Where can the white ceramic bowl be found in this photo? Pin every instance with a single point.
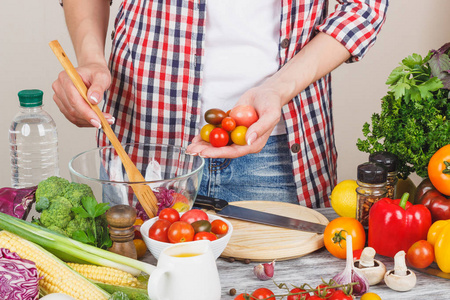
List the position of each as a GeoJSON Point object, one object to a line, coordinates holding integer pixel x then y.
{"type": "Point", "coordinates": [155, 247]}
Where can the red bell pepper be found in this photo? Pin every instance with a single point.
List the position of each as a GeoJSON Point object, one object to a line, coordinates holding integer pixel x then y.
{"type": "Point", "coordinates": [395, 225]}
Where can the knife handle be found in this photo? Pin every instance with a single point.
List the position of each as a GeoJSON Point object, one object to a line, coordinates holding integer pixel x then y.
{"type": "Point", "coordinates": [210, 202]}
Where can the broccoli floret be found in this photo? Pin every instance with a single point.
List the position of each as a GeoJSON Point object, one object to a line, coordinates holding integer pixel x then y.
{"type": "Point", "coordinates": [77, 191]}
{"type": "Point", "coordinates": [42, 204]}
{"type": "Point", "coordinates": [59, 213]}
{"type": "Point", "coordinates": [77, 223]}
{"type": "Point", "coordinates": [50, 188]}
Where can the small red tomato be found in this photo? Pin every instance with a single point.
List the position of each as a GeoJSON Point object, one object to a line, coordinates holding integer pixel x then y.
{"type": "Point", "coordinates": [263, 293]}
{"type": "Point", "coordinates": [205, 236]}
{"type": "Point", "coordinates": [340, 295]}
{"type": "Point", "coordinates": [241, 296]}
{"type": "Point", "coordinates": [315, 297]}
{"type": "Point", "coordinates": [420, 254]}
{"type": "Point", "coordinates": [305, 296]}
{"type": "Point", "coordinates": [158, 231]}
{"type": "Point", "coordinates": [219, 227]}
{"type": "Point", "coordinates": [194, 215]}
{"type": "Point", "coordinates": [228, 124]}
{"type": "Point", "coordinates": [169, 214]}
{"type": "Point", "coordinates": [244, 115]}
{"type": "Point", "coordinates": [321, 291]}
{"type": "Point", "coordinates": [214, 116]}
{"type": "Point", "coordinates": [180, 232]}
{"type": "Point", "coordinates": [218, 137]}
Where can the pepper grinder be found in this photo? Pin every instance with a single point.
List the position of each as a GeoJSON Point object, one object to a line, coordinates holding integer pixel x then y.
{"type": "Point", "coordinates": [121, 219]}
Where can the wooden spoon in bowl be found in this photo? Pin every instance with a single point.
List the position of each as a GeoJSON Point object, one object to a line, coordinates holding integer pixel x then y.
{"type": "Point", "coordinates": [143, 192]}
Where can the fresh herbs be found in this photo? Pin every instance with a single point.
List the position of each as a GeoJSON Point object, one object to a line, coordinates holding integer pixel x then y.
{"type": "Point", "coordinates": [414, 119]}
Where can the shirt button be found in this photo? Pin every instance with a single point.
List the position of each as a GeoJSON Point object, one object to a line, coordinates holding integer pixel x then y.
{"type": "Point", "coordinates": [113, 33]}
{"type": "Point", "coordinates": [295, 148]}
{"type": "Point", "coordinates": [285, 43]}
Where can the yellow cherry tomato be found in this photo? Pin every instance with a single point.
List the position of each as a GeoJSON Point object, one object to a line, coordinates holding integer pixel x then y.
{"type": "Point", "coordinates": [206, 131]}
{"type": "Point", "coordinates": [181, 207]}
{"type": "Point", "coordinates": [370, 296]}
{"type": "Point", "coordinates": [238, 135]}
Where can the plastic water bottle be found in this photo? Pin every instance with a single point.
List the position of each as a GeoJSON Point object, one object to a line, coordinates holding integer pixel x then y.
{"type": "Point", "coordinates": [33, 140]}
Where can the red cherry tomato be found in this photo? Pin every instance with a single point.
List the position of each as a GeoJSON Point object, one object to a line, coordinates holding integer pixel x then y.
{"type": "Point", "coordinates": [194, 215]}
{"type": "Point", "coordinates": [228, 124]}
{"type": "Point", "coordinates": [214, 116]}
{"type": "Point", "coordinates": [219, 227]}
{"type": "Point", "coordinates": [299, 296]}
{"type": "Point", "coordinates": [321, 291]}
{"type": "Point", "coordinates": [218, 137]}
{"type": "Point", "coordinates": [158, 231]}
{"type": "Point", "coordinates": [206, 131]}
{"type": "Point", "coordinates": [169, 214]}
{"type": "Point", "coordinates": [241, 296]}
{"type": "Point", "coordinates": [420, 254]}
{"type": "Point", "coordinates": [180, 232]}
{"type": "Point", "coordinates": [263, 293]}
{"type": "Point", "coordinates": [238, 135]}
{"type": "Point", "coordinates": [340, 295]}
{"type": "Point", "coordinates": [244, 115]}
{"type": "Point", "coordinates": [203, 235]}
{"type": "Point", "coordinates": [315, 297]}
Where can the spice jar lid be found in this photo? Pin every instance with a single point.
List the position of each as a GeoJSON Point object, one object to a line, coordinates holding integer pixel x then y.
{"type": "Point", "coordinates": [386, 158]}
{"type": "Point", "coordinates": [372, 172]}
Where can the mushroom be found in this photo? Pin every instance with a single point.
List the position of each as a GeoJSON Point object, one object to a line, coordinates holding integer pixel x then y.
{"type": "Point", "coordinates": [400, 279]}
{"type": "Point", "coordinates": [373, 269]}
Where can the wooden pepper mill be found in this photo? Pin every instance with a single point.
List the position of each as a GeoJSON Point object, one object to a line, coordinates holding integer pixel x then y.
{"type": "Point", "coordinates": [121, 219]}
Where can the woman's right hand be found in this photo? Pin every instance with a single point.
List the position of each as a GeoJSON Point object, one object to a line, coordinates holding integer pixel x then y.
{"type": "Point", "coordinates": [97, 78]}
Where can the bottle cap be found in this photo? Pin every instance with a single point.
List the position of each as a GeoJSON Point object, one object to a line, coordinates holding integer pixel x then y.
{"type": "Point", "coordinates": [386, 158]}
{"type": "Point", "coordinates": [30, 98]}
{"type": "Point", "coordinates": [371, 172]}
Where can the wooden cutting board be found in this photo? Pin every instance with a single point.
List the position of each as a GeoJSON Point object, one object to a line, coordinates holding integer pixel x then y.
{"type": "Point", "coordinates": [259, 242]}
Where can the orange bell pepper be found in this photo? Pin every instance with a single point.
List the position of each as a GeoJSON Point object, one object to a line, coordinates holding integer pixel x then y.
{"type": "Point", "coordinates": [439, 237]}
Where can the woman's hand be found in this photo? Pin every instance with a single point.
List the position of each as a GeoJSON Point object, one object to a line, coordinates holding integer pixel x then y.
{"type": "Point", "coordinates": [97, 78]}
{"type": "Point", "coordinates": [267, 103]}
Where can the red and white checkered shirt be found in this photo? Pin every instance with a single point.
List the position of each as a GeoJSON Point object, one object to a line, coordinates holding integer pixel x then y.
{"type": "Point", "coordinates": [156, 67]}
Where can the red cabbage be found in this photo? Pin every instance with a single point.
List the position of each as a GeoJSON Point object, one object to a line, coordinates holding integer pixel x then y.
{"type": "Point", "coordinates": [16, 202]}
{"type": "Point", "coordinates": [18, 277]}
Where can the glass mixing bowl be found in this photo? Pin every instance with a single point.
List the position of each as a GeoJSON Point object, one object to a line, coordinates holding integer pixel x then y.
{"type": "Point", "coordinates": [173, 175]}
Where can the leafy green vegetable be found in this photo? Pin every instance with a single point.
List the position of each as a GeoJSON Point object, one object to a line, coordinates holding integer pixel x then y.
{"type": "Point", "coordinates": [413, 123]}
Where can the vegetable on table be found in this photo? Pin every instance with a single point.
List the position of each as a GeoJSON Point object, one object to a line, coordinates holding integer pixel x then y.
{"type": "Point", "coordinates": [438, 204]}
{"type": "Point", "coordinates": [395, 225]}
{"type": "Point", "coordinates": [439, 237]}
{"type": "Point", "coordinates": [420, 254]}
{"type": "Point", "coordinates": [400, 279]}
{"type": "Point", "coordinates": [16, 202]}
{"type": "Point", "coordinates": [336, 233]}
{"type": "Point", "coordinates": [439, 170]}
{"type": "Point", "coordinates": [372, 268]}
{"type": "Point", "coordinates": [19, 277]}
{"type": "Point", "coordinates": [413, 123]}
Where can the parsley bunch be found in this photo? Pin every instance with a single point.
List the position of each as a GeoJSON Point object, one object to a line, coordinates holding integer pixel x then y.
{"type": "Point", "coordinates": [414, 119]}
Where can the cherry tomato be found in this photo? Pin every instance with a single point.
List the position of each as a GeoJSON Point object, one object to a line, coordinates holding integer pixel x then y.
{"type": "Point", "coordinates": [228, 123]}
{"type": "Point", "coordinates": [299, 296]}
{"type": "Point", "coordinates": [177, 197]}
{"type": "Point", "coordinates": [214, 116]}
{"type": "Point", "coordinates": [158, 231]}
{"type": "Point", "coordinates": [322, 292]}
{"type": "Point", "coordinates": [238, 135]}
{"type": "Point", "coordinates": [244, 115]}
{"type": "Point", "coordinates": [370, 296]}
{"type": "Point", "coordinates": [219, 137]}
{"type": "Point", "coordinates": [140, 246]}
{"type": "Point", "coordinates": [420, 254]}
{"type": "Point", "coordinates": [180, 232]}
{"type": "Point", "coordinates": [169, 214]}
{"type": "Point", "coordinates": [205, 236]}
{"type": "Point", "coordinates": [137, 228]}
{"type": "Point", "coordinates": [315, 297]}
{"type": "Point", "coordinates": [340, 295]}
{"type": "Point", "coordinates": [439, 170]}
{"type": "Point", "coordinates": [206, 131]}
{"type": "Point", "coordinates": [219, 227]}
{"type": "Point", "coordinates": [337, 230]}
{"type": "Point", "coordinates": [263, 293]}
{"type": "Point", "coordinates": [194, 215]}
{"type": "Point", "coordinates": [201, 226]}
{"type": "Point", "coordinates": [241, 296]}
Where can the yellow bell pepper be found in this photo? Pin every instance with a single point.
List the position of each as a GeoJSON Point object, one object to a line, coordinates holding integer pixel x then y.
{"type": "Point", "coordinates": [439, 237]}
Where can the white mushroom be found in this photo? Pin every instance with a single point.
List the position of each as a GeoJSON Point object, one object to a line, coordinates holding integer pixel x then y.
{"type": "Point", "coordinates": [401, 278]}
{"type": "Point", "coordinates": [373, 269]}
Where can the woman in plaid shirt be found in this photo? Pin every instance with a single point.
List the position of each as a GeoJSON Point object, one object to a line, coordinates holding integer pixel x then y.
{"type": "Point", "coordinates": [172, 60]}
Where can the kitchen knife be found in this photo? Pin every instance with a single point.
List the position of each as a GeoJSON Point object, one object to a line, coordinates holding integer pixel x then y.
{"type": "Point", "coordinates": [224, 209]}
{"type": "Point", "coordinates": [433, 269]}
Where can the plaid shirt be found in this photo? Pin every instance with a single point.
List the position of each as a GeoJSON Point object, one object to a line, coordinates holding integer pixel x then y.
{"type": "Point", "coordinates": [156, 67]}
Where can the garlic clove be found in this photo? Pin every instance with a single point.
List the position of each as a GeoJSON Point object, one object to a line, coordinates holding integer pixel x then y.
{"type": "Point", "coordinates": [264, 271]}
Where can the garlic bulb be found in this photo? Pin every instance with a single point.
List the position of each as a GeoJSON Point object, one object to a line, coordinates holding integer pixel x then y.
{"type": "Point", "coordinates": [264, 271]}
{"type": "Point", "coordinates": [351, 274]}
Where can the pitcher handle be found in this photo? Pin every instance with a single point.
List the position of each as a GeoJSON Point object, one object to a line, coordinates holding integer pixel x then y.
{"type": "Point", "coordinates": [153, 282]}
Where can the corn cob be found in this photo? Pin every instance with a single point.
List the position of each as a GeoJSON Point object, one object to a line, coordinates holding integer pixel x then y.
{"type": "Point", "coordinates": [57, 277]}
{"type": "Point", "coordinates": [106, 275]}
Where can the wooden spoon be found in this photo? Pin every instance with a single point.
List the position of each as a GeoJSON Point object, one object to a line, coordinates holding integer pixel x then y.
{"type": "Point", "coordinates": [143, 192]}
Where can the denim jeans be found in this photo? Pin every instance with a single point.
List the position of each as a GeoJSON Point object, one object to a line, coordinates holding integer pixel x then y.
{"type": "Point", "coordinates": [266, 175]}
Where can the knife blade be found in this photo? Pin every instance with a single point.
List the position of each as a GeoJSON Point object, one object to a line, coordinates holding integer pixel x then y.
{"type": "Point", "coordinates": [433, 269]}
{"type": "Point", "coordinates": [222, 208]}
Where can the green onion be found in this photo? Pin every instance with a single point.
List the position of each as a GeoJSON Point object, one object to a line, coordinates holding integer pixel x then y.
{"type": "Point", "coordinates": [57, 244]}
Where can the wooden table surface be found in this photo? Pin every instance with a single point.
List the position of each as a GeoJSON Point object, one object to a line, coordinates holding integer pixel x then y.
{"type": "Point", "coordinates": [314, 266]}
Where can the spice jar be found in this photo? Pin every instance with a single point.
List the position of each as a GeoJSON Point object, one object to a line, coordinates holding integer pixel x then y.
{"type": "Point", "coordinates": [371, 180]}
{"type": "Point", "coordinates": [389, 160]}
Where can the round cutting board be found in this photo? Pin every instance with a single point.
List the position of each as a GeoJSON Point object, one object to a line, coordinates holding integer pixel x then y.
{"type": "Point", "coordinates": [259, 242]}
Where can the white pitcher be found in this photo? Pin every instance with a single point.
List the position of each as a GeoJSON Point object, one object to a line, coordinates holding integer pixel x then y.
{"type": "Point", "coordinates": [185, 271]}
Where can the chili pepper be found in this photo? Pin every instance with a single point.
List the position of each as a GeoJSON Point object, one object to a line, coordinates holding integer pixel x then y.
{"type": "Point", "coordinates": [438, 205]}
{"type": "Point", "coordinates": [395, 225]}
